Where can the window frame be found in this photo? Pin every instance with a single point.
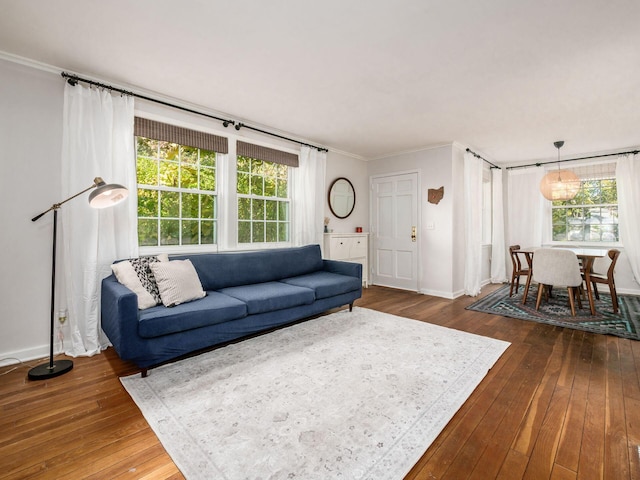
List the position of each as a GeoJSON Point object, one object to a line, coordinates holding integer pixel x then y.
{"type": "Point", "coordinates": [251, 196]}
{"type": "Point", "coordinates": [180, 248]}
{"type": "Point", "coordinates": [584, 243]}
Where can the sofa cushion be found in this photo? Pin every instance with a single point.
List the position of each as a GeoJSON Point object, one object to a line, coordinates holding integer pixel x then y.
{"type": "Point", "coordinates": [221, 270]}
{"type": "Point", "coordinates": [270, 296]}
{"type": "Point", "coordinates": [136, 275]}
{"type": "Point", "coordinates": [178, 282]}
{"type": "Point", "coordinates": [325, 284]}
{"type": "Point", "coordinates": [210, 310]}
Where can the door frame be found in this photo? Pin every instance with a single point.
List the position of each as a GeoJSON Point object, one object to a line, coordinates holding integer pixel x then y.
{"type": "Point", "coordinates": [373, 260]}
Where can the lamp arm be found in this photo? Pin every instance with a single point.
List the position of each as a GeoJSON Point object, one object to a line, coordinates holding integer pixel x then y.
{"type": "Point", "coordinates": [55, 206]}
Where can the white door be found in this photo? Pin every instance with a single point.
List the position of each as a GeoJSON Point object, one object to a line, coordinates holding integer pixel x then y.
{"type": "Point", "coordinates": [394, 228]}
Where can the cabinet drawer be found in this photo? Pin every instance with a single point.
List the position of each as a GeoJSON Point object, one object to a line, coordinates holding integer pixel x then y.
{"type": "Point", "coordinates": [358, 247]}
{"type": "Point", "coordinates": [340, 248]}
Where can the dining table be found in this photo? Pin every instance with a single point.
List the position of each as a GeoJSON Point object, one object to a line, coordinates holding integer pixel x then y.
{"type": "Point", "coordinates": [586, 255]}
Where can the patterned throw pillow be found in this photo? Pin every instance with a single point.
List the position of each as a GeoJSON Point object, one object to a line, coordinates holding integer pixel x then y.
{"type": "Point", "coordinates": [136, 275]}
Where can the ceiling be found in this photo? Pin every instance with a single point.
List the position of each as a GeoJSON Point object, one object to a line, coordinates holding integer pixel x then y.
{"type": "Point", "coordinates": [371, 78]}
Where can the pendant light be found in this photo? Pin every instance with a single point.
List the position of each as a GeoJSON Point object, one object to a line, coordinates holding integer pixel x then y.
{"type": "Point", "coordinates": [559, 184]}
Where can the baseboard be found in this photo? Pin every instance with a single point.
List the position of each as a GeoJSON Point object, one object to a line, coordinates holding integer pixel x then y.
{"type": "Point", "coordinates": [27, 355]}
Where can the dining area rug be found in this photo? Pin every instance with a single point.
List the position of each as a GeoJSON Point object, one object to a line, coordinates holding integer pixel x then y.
{"type": "Point", "coordinates": [350, 396]}
{"type": "Point", "coordinates": [625, 323]}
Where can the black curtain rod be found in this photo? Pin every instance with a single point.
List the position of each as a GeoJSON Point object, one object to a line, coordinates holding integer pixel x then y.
{"type": "Point", "coordinates": [481, 158]}
{"type": "Point", "coordinates": [74, 79]}
{"type": "Point", "coordinates": [538, 164]}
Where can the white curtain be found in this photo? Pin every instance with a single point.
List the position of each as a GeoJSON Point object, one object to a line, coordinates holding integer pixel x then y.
{"type": "Point", "coordinates": [525, 207]}
{"type": "Point", "coordinates": [628, 182]}
{"type": "Point", "coordinates": [309, 197]}
{"type": "Point", "coordinates": [97, 141]}
{"type": "Point", "coordinates": [472, 224]}
{"type": "Point", "coordinates": [498, 249]}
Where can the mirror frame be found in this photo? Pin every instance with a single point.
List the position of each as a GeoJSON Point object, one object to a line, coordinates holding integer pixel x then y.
{"type": "Point", "coordinates": [354, 197]}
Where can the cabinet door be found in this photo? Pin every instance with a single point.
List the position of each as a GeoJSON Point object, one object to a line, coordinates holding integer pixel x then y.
{"type": "Point", "coordinates": [340, 247]}
{"type": "Point", "coordinates": [358, 247]}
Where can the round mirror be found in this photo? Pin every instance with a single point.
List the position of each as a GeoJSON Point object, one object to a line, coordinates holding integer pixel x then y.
{"type": "Point", "coordinates": [342, 197]}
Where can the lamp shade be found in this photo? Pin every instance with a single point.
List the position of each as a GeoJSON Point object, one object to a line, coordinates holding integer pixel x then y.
{"type": "Point", "coordinates": [560, 185]}
{"type": "Point", "coordinates": [106, 195]}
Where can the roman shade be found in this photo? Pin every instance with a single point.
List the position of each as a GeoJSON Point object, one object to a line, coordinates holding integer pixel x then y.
{"type": "Point", "coordinates": [268, 154]}
{"type": "Point", "coordinates": [183, 136]}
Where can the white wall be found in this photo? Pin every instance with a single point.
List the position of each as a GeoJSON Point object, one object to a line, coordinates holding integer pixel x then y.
{"type": "Point", "coordinates": [31, 102]}
{"type": "Point", "coordinates": [30, 141]}
{"type": "Point", "coordinates": [339, 165]}
{"type": "Point", "coordinates": [438, 270]}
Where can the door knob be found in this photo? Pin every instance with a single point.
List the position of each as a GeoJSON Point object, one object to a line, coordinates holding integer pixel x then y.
{"type": "Point", "coordinates": [413, 234]}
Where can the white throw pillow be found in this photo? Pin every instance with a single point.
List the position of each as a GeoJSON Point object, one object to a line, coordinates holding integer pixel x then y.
{"type": "Point", "coordinates": [178, 282]}
{"type": "Point", "coordinates": [136, 275]}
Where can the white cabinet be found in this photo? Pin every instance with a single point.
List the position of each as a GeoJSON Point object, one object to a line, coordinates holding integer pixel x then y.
{"type": "Point", "coordinates": [349, 247]}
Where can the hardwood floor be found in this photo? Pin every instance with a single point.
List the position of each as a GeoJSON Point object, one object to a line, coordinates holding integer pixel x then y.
{"type": "Point", "coordinates": [559, 404]}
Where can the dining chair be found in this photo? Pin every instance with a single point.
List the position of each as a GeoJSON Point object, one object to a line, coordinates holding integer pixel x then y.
{"type": "Point", "coordinates": [518, 269]}
{"type": "Point", "coordinates": [606, 278]}
{"type": "Point", "coordinates": [556, 267]}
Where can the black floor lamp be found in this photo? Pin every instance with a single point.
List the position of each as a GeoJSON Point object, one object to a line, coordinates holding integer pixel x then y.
{"type": "Point", "coordinates": [104, 195]}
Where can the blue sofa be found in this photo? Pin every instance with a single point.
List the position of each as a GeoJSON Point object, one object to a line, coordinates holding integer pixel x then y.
{"type": "Point", "coordinates": [247, 293]}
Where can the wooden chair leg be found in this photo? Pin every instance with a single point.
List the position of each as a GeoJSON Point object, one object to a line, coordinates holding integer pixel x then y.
{"type": "Point", "coordinates": [572, 301]}
{"type": "Point", "coordinates": [614, 297]}
{"type": "Point", "coordinates": [579, 296]}
{"type": "Point", "coordinates": [511, 287]}
{"type": "Point", "coordinates": [595, 290]}
{"type": "Point", "coordinates": [539, 297]}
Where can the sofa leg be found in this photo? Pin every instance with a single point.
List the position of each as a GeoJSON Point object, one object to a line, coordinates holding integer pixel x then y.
{"type": "Point", "coordinates": [144, 372]}
{"type": "Point", "coordinates": [351, 307]}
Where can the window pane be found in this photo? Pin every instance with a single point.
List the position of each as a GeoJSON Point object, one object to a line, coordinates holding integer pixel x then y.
{"type": "Point", "coordinates": [207, 229]}
{"type": "Point", "coordinates": [190, 232]}
{"type": "Point", "coordinates": [244, 208]}
{"type": "Point", "coordinates": [559, 233]}
{"type": "Point", "coordinates": [283, 232]}
{"type": "Point", "coordinates": [271, 210]}
{"type": "Point", "coordinates": [282, 188]}
{"type": "Point", "coordinates": [244, 232]}
{"type": "Point", "coordinates": [270, 187]}
{"type": "Point", "coordinates": [188, 177]}
{"type": "Point", "coordinates": [207, 158]}
{"type": "Point", "coordinates": [169, 204]}
{"type": "Point", "coordinates": [147, 171]}
{"type": "Point", "coordinates": [257, 185]}
{"type": "Point", "coordinates": [169, 151]}
{"type": "Point", "coordinates": [168, 174]}
{"type": "Point", "coordinates": [243, 183]}
{"type": "Point", "coordinates": [257, 209]}
{"type": "Point", "coordinates": [147, 147]}
{"type": "Point", "coordinates": [258, 232]}
{"type": "Point", "coordinates": [207, 206]}
{"type": "Point", "coordinates": [256, 166]}
{"type": "Point", "coordinates": [190, 208]}
{"type": "Point", "coordinates": [283, 211]}
{"type": "Point", "coordinates": [272, 232]}
{"type": "Point", "coordinates": [243, 164]}
{"type": "Point", "coordinates": [189, 155]}
{"type": "Point", "coordinates": [208, 179]}
{"type": "Point", "coordinates": [147, 232]}
{"type": "Point", "coordinates": [147, 203]}
{"type": "Point", "coordinates": [169, 232]}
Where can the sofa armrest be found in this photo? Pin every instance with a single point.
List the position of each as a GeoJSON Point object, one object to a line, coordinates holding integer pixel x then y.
{"type": "Point", "coordinates": [119, 320]}
{"type": "Point", "coordinates": [344, 268]}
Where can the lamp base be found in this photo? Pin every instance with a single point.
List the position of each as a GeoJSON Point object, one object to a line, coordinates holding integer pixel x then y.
{"type": "Point", "coordinates": [42, 372]}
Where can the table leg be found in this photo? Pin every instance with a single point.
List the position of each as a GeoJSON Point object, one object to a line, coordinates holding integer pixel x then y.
{"type": "Point", "coordinates": [587, 265]}
{"type": "Point", "coordinates": [529, 258]}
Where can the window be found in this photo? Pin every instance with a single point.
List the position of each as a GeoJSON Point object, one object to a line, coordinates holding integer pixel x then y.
{"type": "Point", "coordinates": [263, 201]}
{"type": "Point", "coordinates": [592, 216]}
{"type": "Point", "coordinates": [177, 203]}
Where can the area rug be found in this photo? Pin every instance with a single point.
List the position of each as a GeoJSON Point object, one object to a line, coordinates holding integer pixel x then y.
{"type": "Point", "coordinates": [626, 323]}
{"type": "Point", "coordinates": [357, 395]}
